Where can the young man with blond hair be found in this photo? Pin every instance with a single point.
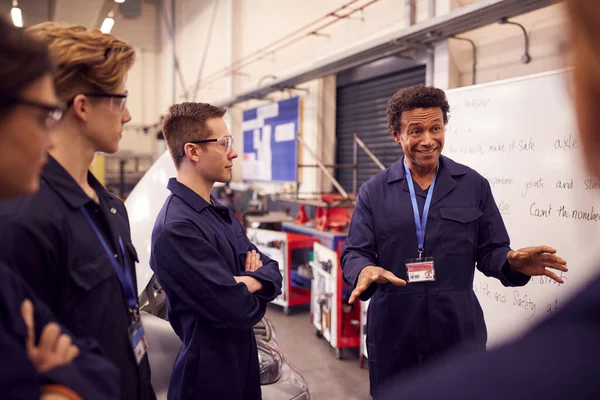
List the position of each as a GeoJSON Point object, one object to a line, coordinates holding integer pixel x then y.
{"type": "Point", "coordinates": [217, 283]}
{"type": "Point", "coordinates": [71, 241]}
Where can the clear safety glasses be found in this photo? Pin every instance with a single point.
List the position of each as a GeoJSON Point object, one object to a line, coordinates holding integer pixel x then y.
{"type": "Point", "coordinates": [52, 113]}
{"type": "Point", "coordinates": [116, 99]}
{"type": "Point", "coordinates": [226, 142]}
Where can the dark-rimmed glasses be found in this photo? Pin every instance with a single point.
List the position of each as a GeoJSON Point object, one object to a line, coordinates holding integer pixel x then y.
{"type": "Point", "coordinates": [226, 142]}
{"type": "Point", "coordinates": [54, 113]}
{"type": "Point", "coordinates": [122, 97]}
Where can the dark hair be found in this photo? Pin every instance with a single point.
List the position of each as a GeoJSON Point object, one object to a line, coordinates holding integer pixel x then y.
{"type": "Point", "coordinates": [24, 60]}
{"type": "Point", "coordinates": [186, 122]}
{"type": "Point", "coordinates": [419, 96]}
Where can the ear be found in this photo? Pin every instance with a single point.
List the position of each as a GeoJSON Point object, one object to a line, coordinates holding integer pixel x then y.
{"type": "Point", "coordinates": [396, 136]}
{"type": "Point", "coordinates": [81, 107]}
{"type": "Point", "coordinates": [192, 152]}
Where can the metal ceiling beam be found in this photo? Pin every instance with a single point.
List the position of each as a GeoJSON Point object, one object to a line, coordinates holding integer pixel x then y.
{"type": "Point", "coordinates": [458, 21]}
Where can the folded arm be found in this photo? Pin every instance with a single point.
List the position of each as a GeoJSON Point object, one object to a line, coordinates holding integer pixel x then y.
{"type": "Point", "coordinates": [188, 265]}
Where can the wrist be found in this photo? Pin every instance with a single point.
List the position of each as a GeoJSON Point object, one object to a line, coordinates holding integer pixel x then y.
{"type": "Point", "coordinates": [508, 264]}
{"type": "Point", "coordinates": [251, 283]}
{"type": "Point", "coordinates": [366, 269]}
{"type": "Point", "coordinates": [255, 285]}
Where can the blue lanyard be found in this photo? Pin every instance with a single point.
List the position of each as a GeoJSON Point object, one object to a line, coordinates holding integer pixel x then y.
{"type": "Point", "coordinates": [421, 224]}
{"type": "Point", "coordinates": [124, 275]}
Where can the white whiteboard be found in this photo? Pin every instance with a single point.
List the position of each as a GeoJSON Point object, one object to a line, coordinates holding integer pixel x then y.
{"type": "Point", "coordinates": [521, 135]}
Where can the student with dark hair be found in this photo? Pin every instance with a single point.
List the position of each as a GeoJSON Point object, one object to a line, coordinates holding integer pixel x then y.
{"type": "Point", "coordinates": [419, 230]}
{"type": "Point", "coordinates": [71, 240]}
{"type": "Point", "coordinates": [217, 283]}
{"type": "Point", "coordinates": [38, 358]}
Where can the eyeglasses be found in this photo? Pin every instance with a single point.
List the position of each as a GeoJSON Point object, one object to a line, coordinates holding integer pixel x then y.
{"type": "Point", "coordinates": [53, 113]}
{"type": "Point", "coordinates": [226, 142]}
{"type": "Point", "coordinates": [120, 98]}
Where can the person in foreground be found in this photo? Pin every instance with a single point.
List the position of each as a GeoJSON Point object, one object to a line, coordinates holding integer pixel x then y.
{"type": "Point", "coordinates": [71, 240]}
{"type": "Point", "coordinates": [217, 283]}
{"type": "Point", "coordinates": [418, 231]}
{"type": "Point", "coordinates": [38, 358]}
{"type": "Point", "coordinates": [560, 357]}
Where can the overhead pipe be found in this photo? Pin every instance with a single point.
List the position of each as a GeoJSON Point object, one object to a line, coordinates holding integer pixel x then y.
{"type": "Point", "coordinates": [283, 42]}
{"type": "Point", "coordinates": [229, 46]}
{"type": "Point", "coordinates": [176, 65]}
{"type": "Point", "coordinates": [175, 61]}
{"type": "Point", "coordinates": [526, 57]}
{"type": "Point", "coordinates": [474, 48]}
{"type": "Point", "coordinates": [430, 71]}
{"type": "Point", "coordinates": [410, 13]}
{"type": "Point", "coordinates": [207, 36]}
{"type": "Point", "coordinates": [295, 32]}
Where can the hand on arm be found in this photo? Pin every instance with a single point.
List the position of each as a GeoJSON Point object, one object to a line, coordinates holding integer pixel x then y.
{"type": "Point", "coordinates": [55, 349]}
{"type": "Point", "coordinates": [373, 274]}
{"type": "Point", "coordinates": [253, 262]}
{"type": "Point", "coordinates": [205, 285]}
{"type": "Point", "coordinates": [253, 284]}
{"type": "Point", "coordinates": [534, 261]}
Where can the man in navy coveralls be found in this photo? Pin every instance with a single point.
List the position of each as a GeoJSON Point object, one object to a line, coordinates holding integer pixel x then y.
{"type": "Point", "coordinates": [217, 283]}
{"type": "Point", "coordinates": [560, 357]}
{"type": "Point", "coordinates": [418, 231]}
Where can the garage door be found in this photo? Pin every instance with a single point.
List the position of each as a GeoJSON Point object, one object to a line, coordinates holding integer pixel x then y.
{"type": "Point", "coordinates": [361, 110]}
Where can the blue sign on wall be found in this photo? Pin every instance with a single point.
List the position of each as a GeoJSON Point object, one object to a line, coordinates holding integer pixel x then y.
{"type": "Point", "coordinates": [270, 150]}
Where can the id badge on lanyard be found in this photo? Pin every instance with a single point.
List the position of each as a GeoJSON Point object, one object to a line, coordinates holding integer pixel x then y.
{"type": "Point", "coordinates": [137, 339]}
{"type": "Point", "coordinates": [137, 336]}
{"type": "Point", "coordinates": [420, 269]}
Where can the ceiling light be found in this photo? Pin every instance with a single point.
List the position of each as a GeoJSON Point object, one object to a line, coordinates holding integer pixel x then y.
{"type": "Point", "coordinates": [16, 14]}
{"type": "Point", "coordinates": [108, 23]}
{"type": "Point", "coordinates": [120, 1]}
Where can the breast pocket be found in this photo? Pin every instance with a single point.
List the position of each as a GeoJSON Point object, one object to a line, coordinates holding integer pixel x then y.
{"type": "Point", "coordinates": [90, 302]}
{"type": "Point", "coordinates": [459, 229]}
{"type": "Point", "coordinates": [91, 274]}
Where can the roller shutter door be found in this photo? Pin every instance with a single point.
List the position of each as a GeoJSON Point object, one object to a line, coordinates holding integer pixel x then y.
{"type": "Point", "coordinates": [361, 110]}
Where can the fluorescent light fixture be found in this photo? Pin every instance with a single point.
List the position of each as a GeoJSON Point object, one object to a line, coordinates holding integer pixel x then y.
{"type": "Point", "coordinates": [16, 14]}
{"type": "Point", "coordinates": [120, 1]}
{"type": "Point", "coordinates": [108, 23]}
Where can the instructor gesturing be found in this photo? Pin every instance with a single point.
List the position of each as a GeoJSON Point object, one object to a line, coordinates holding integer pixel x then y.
{"type": "Point", "coordinates": [418, 231]}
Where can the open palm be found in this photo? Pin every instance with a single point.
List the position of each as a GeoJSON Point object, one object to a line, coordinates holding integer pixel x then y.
{"type": "Point", "coordinates": [538, 260]}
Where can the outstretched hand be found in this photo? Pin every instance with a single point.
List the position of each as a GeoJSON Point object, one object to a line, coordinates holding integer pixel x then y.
{"type": "Point", "coordinates": [535, 261]}
{"type": "Point", "coordinates": [373, 274]}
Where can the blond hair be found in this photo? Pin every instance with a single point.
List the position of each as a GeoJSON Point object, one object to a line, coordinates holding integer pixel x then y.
{"type": "Point", "coordinates": [86, 59]}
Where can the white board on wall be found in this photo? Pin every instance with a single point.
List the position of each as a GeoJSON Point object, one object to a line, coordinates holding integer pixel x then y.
{"type": "Point", "coordinates": [521, 135]}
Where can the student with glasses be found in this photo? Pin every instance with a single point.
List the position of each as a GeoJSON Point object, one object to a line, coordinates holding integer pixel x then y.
{"type": "Point", "coordinates": [38, 358]}
{"type": "Point", "coordinates": [217, 283]}
{"type": "Point", "coordinates": [71, 241]}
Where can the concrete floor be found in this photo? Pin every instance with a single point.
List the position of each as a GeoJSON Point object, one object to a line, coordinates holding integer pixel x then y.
{"type": "Point", "coordinates": [328, 378]}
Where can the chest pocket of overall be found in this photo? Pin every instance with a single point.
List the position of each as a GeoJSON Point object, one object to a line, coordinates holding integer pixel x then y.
{"type": "Point", "coordinates": [93, 281]}
{"type": "Point", "coordinates": [459, 229]}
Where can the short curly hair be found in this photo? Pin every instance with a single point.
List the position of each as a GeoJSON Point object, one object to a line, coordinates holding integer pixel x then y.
{"type": "Point", "coordinates": [419, 96]}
